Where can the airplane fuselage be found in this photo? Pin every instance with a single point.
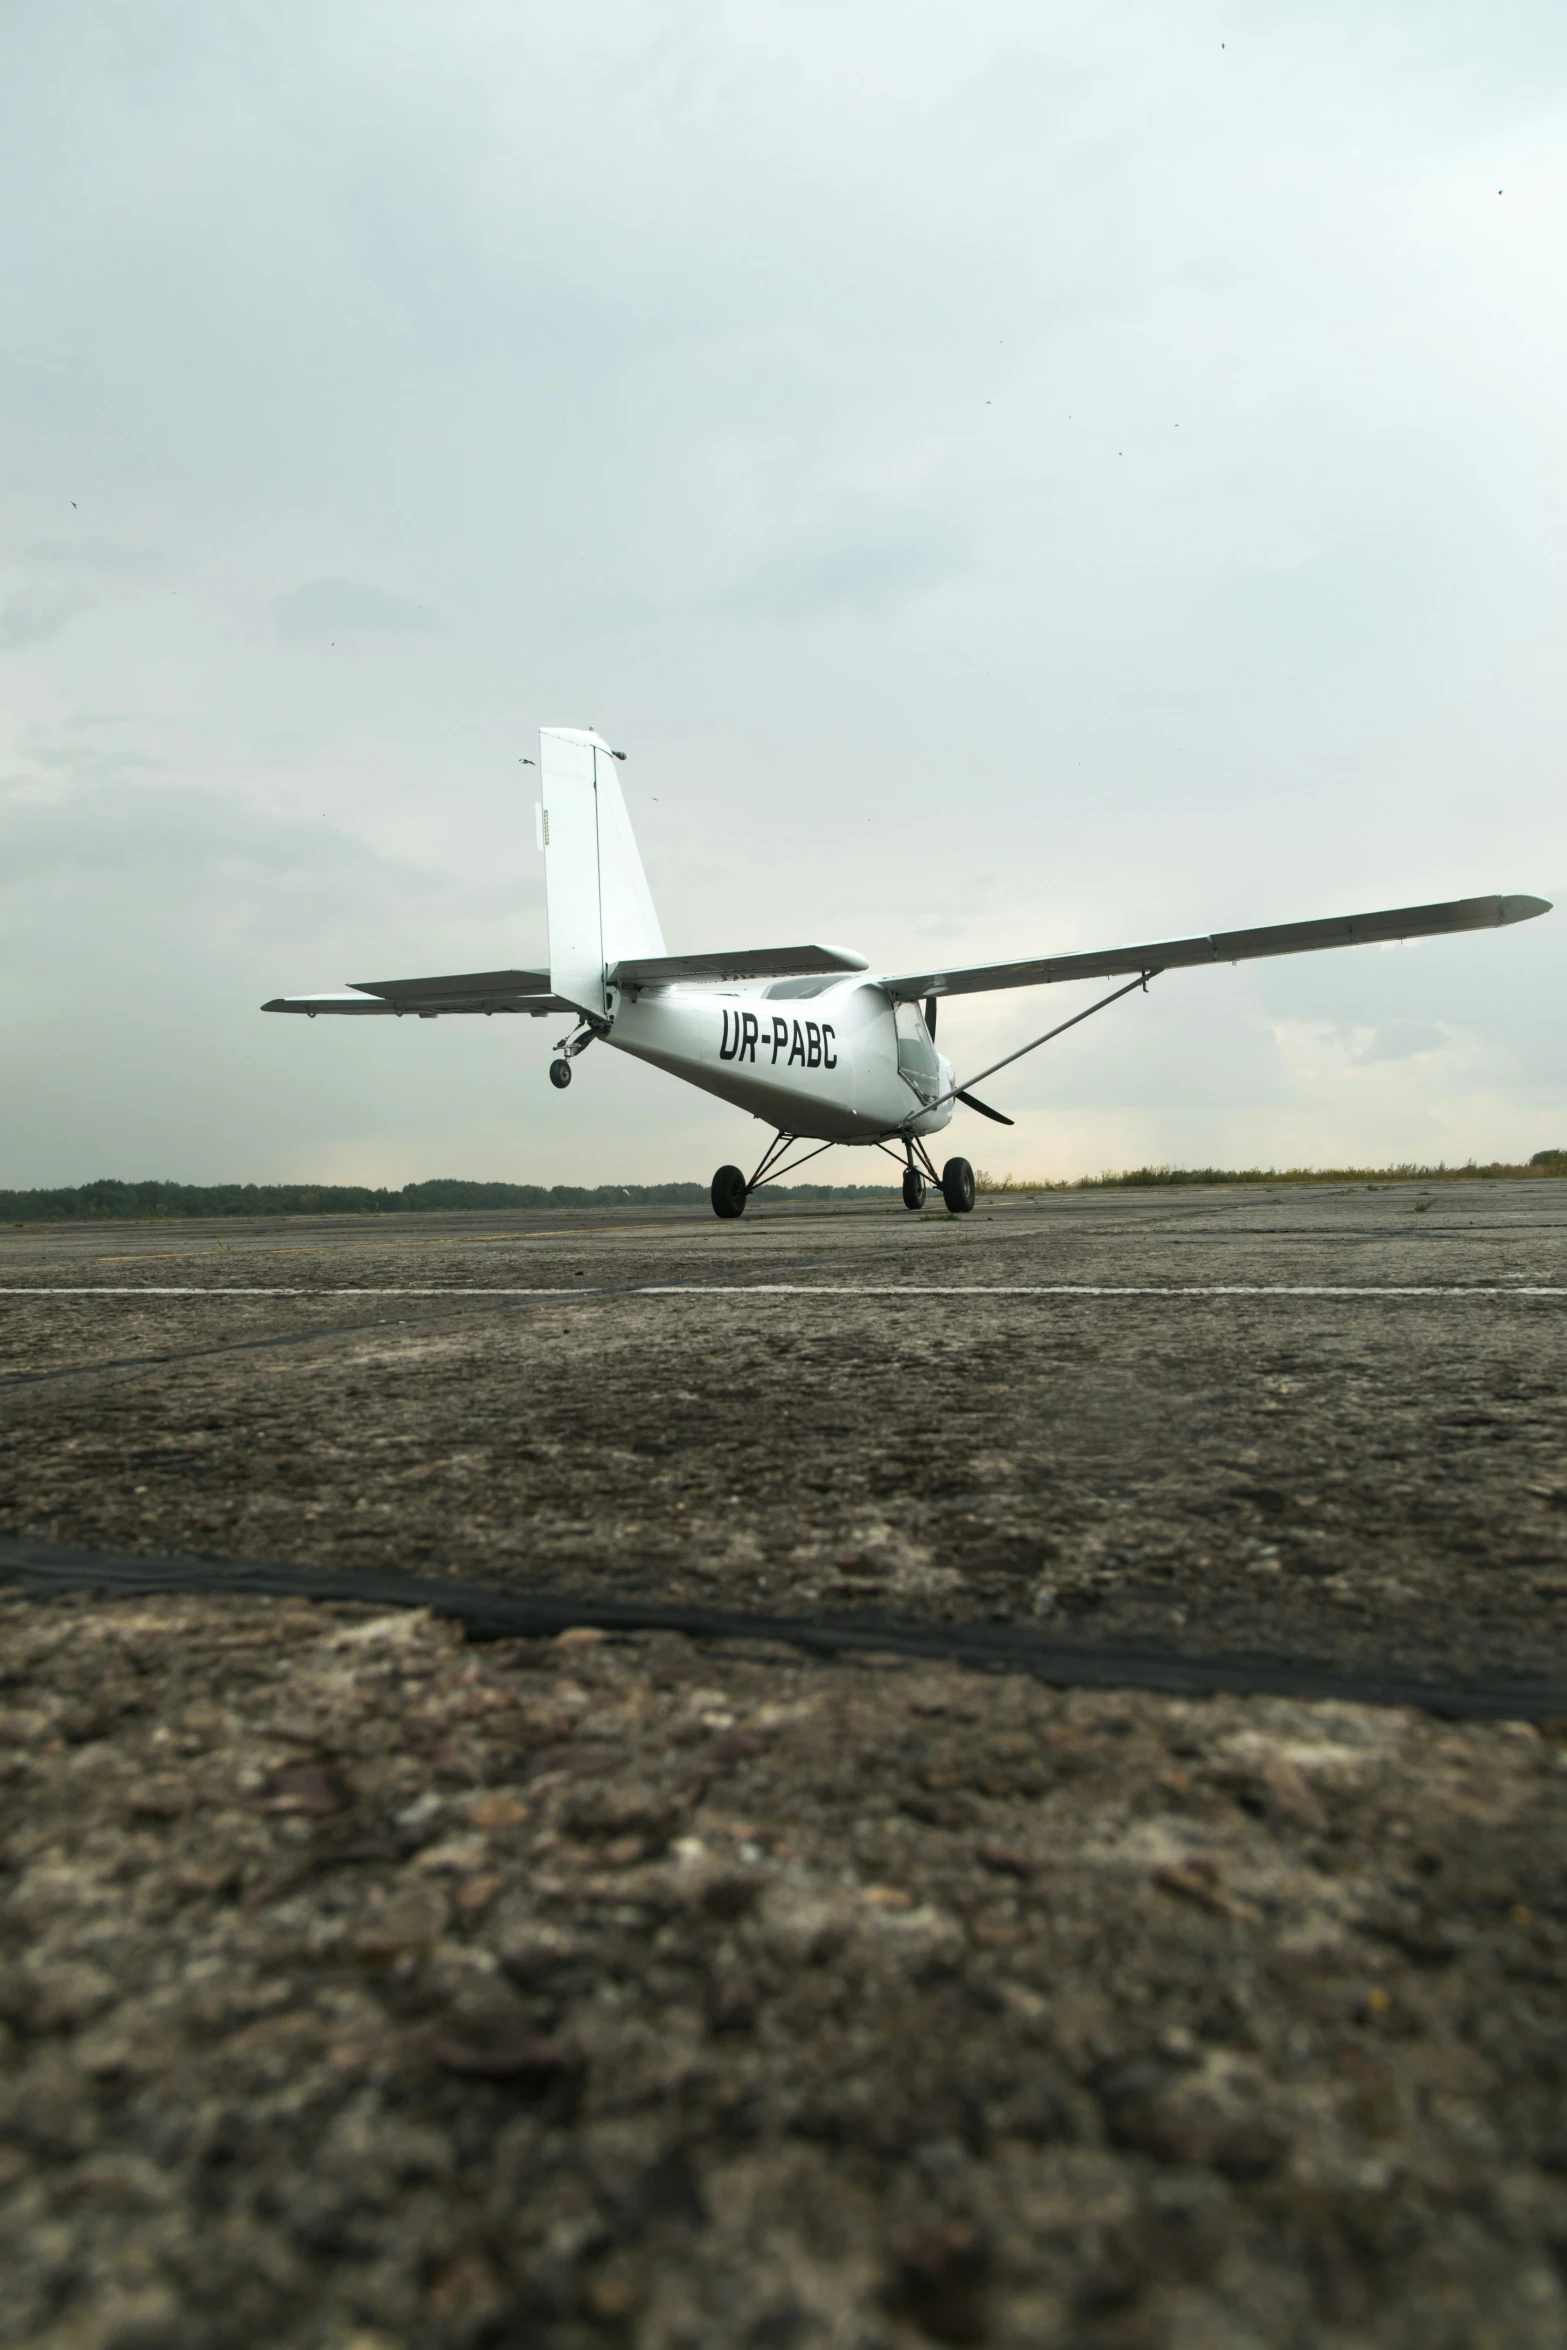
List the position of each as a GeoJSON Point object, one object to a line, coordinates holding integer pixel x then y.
{"type": "Point", "coordinates": [821, 1059]}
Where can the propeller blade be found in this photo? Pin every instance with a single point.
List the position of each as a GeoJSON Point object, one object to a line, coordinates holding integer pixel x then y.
{"type": "Point", "coordinates": [931, 1002]}
{"type": "Point", "coordinates": [983, 1108]}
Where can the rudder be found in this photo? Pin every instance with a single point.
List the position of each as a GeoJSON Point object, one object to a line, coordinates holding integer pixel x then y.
{"type": "Point", "coordinates": [600, 907]}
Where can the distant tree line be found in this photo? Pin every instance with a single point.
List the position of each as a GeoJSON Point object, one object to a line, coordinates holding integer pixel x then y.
{"type": "Point", "coordinates": [109, 1200]}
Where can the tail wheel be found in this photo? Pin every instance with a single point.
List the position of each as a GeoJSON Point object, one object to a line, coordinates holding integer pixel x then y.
{"type": "Point", "coordinates": [560, 1074]}
{"type": "Point", "coordinates": [957, 1186]}
{"type": "Point", "coordinates": [913, 1188]}
{"type": "Point", "coordinates": [729, 1192]}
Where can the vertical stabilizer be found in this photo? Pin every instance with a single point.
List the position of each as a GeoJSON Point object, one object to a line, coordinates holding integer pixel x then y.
{"type": "Point", "coordinates": [600, 907]}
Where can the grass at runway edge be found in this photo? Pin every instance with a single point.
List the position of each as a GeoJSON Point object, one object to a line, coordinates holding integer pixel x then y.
{"type": "Point", "coordinates": [1543, 1164]}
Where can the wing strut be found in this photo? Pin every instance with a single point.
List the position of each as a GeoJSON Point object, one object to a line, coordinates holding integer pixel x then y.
{"type": "Point", "coordinates": [958, 1093]}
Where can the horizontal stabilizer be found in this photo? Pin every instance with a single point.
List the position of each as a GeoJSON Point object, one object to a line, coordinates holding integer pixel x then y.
{"type": "Point", "coordinates": [1228, 946]}
{"type": "Point", "coordinates": [467, 985]}
{"type": "Point", "coordinates": [467, 991]}
{"type": "Point", "coordinates": [743, 963]}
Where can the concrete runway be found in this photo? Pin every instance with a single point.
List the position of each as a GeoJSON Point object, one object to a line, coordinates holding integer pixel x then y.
{"type": "Point", "coordinates": [1321, 1423]}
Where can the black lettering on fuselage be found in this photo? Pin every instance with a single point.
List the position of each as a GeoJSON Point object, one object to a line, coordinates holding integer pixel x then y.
{"type": "Point", "coordinates": [811, 1047]}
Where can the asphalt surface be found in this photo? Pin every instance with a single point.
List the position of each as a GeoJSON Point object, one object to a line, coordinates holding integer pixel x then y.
{"type": "Point", "coordinates": [611, 1989]}
{"type": "Point", "coordinates": [1322, 1424]}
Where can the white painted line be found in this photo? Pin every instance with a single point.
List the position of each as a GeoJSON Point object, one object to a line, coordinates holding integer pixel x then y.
{"type": "Point", "coordinates": [1079, 1289]}
{"type": "Point", "coordinates": [838, 1289]}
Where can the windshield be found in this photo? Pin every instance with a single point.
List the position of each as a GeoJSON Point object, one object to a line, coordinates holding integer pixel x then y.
{"type": "Point", "coordinates": [916, 1054]}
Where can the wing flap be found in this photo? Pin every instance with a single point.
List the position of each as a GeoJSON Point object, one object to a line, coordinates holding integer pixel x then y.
{"type": "Point", "coordinates": [1229, 946]}
{"type": "Point", "coordinates": [742, 963]}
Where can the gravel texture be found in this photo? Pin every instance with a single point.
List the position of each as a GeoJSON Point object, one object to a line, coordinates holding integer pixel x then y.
{"type": "Point", "coordinates": [360, 1989]}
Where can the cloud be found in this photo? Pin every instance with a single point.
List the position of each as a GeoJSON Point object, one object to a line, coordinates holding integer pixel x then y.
{"type": "Point", "coordinates": [154, 843]}
{"type": "Point", "coordinates": [1401, 1040]}
{"type": "Point", "coordinates": [33, 615]}
{"type": "Point", "coordinates": [321, 607]}
{"type": "Point", "coordinates": [83, 759]}
{"type": "Point", "coordinates": [868, 565]}
{"type": "Point", "coordinates": [141, 929]}
{"type": "Point", "coordinates": [84, 555]}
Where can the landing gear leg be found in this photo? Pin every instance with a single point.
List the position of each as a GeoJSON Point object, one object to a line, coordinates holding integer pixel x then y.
{"type": "Point", "coordinates": [569, 1047]}
{"type": "Point", "coordinates": [919, 1176]}
{"type": "Point", "coordinates": [731, 1189]}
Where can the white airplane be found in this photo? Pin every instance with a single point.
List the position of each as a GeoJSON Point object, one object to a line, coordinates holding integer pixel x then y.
{"type": "Point", "coordinates": [807, 1038]}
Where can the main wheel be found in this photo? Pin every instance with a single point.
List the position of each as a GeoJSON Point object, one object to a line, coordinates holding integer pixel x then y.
{"type": "Point", "coordinates": [728, 1193]}
{"type": "Point", "coordinates": [957, 1186]}
{"type": "Point", "coordinates": [913, 1188]}
{"type": "Point", "coordinates": [560, 1074]}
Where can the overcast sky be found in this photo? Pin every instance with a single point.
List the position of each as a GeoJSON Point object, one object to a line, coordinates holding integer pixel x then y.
{"type": "Point", "coordinates": [1014, 478]}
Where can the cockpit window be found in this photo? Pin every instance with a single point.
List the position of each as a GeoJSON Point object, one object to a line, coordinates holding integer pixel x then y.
{"type": "Point", "coordinates": [916, 1054]}
{"type": "Point", "coordinates": [794, 990]}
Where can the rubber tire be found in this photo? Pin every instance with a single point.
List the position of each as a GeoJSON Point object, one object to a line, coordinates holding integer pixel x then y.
{"type": "Point", "coordinates": [560, 1074]}
{"type": "Point", "coordinates": [957, 1186]}
{"type": "Point", "coordinates": [728, 1193]}
{"type": "Point", "coordinates": [913, 1188]}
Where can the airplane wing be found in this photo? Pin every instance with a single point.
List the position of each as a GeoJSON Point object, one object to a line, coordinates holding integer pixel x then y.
{"type": "Point", "coordinates": [467, 991]}
{"type": "Point", "coordinates": [743, 963]}
{"type": "Point", "coordinates": [1227, 946]}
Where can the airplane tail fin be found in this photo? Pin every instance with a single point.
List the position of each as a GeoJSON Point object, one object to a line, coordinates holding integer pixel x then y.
{"type": "Point", "coordinates": [600, 906]}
